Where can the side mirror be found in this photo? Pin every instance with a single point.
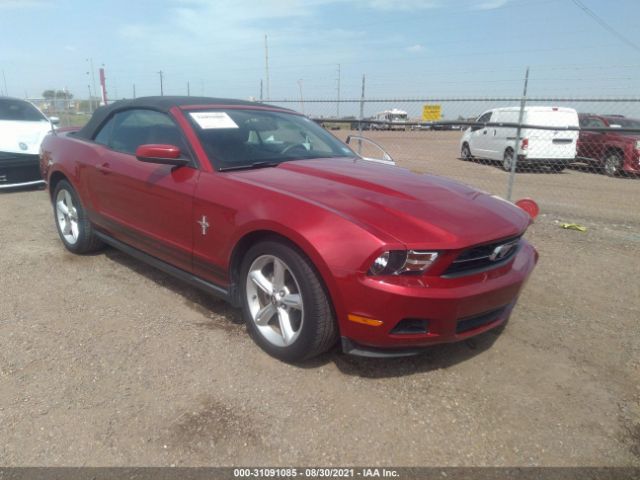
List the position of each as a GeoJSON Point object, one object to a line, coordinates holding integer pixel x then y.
{"type": "Point", "coordinates": [161, 154]}
{"type": "Point", "coordinates": [54, 120]}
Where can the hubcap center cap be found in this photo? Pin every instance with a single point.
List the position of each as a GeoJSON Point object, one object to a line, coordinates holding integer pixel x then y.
{"type": "Point", "coordinates": [276, 299]}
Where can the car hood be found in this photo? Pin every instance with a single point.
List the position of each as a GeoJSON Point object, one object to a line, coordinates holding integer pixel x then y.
{"type": "Point", "coordinates": [22, 137]}
{"type": "Point", "coordinates": [417, 210]}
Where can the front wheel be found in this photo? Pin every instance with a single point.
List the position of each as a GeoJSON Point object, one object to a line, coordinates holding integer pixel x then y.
{"type": "Point", "coordinates": [465, 152]}
{"type": "Point", "coordinates": [74, 227]}
{"type": "Point", "coordinates": [613, 164]}
{"type": "Point", "coordinates": [285, 306]}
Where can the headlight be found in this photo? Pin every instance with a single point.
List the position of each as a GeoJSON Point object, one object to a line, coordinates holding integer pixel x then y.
{"type": "Point", "coordinates": [397, 262]}
{"type": "Point", "coordinates": [637, 144]}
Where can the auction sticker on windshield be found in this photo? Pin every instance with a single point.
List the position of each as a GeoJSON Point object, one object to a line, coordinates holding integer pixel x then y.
{"type": "Point", "coordinates": [211, 120]}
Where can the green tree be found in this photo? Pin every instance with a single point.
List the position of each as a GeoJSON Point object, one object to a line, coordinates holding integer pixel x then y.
{"type": "Point", "coordinates": [62, 94]}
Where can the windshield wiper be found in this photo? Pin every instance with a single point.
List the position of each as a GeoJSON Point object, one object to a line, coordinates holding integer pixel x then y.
{"type": "Point", "coordinates": [250, 166]}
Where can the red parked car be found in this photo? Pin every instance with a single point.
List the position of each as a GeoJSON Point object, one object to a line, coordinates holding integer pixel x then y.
{"type": "Point", "coordinates": [261, 206]}
{"type": "Point", "coordinates": [614, 151]}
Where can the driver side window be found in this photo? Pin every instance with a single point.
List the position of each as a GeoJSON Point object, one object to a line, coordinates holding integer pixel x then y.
{"type": "Point", "coordinates": [127, 130]}
{"type": "Point", "coordinates": [484, 118]}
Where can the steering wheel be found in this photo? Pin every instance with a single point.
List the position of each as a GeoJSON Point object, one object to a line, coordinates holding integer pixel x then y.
{"type": "Point", "coordinates": [293, 146]}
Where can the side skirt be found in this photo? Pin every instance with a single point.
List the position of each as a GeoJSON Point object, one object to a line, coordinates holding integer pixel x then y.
{"type": "Point", "coordinates": [170, 269]}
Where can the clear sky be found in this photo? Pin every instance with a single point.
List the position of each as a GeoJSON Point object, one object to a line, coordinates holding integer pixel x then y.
{"type": "Point", "coordinates": [406, 48]}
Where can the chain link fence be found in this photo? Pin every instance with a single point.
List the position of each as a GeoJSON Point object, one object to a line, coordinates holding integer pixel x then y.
{"type": "Point", "coordinates": [579, 158]}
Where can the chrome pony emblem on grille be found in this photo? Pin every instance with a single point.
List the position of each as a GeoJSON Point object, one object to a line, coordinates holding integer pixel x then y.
{"type": "Point", "coordinates": [503, 251]}
{"type": "Point", "coordinates": [23, 146]}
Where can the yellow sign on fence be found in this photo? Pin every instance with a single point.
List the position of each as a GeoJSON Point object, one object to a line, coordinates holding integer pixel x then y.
{"type": "Point", "coordinates": [431, 113]}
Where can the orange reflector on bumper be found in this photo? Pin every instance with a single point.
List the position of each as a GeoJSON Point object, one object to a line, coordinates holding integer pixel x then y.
{"type": "Point", "coordinates": [364, 320]}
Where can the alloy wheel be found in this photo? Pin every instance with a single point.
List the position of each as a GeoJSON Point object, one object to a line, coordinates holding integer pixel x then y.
{"type": "Point", "coordinates": [67, 216]}
{"type": "Point", "coordinates": [507, 162]}
{"type": "Point", "coordinates": [466, 153]}
{"type": "Point", "coordinates": [275, 300]}
{"type": "Point", "coordinates": [612, 165]}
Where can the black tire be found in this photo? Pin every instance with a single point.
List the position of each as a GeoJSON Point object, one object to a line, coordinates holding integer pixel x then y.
{"type": "Point", "coordinates": [86, 241]}
{"type": "Point", "coordinates": [507, 160]}
{"type": "Point", "coordinates": [465, 152]}
{"type": "Point", "coordinates": [612, 164]}
{"type": "Point", "coordinates": [318, 331]}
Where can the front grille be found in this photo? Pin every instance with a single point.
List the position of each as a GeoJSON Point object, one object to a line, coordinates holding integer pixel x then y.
{"type": "Point", "coordinates": [476, 321]}
{"type": "Point", "coordinates": [18, 168]}
{"type": "Point", "coordinates": [11, 158]}
{"type": "Point", "coordinates": [482, 257]}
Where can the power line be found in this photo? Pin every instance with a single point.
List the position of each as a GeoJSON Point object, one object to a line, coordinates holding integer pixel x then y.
{"type": "Point", "coordinates": [605, 25]}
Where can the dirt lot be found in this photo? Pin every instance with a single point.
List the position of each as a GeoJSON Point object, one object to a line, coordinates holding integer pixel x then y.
{"type": "Point", "coordinates": [105, 361]}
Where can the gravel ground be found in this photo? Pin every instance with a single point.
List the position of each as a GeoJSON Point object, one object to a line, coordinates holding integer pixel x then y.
{"type": "Point", "coordinates": [105, 361]}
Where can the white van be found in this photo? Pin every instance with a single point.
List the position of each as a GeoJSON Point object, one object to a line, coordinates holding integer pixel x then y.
{"type": "Point", "coordinates": [554, 147]}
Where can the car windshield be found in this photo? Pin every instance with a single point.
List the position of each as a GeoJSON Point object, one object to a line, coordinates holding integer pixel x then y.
{"type": "Point", "coordinates": [245, 138]}
{"type": "Point", "coordinates": [18, 110]}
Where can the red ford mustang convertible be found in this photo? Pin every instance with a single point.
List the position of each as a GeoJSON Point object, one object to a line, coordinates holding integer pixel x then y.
{"type": "Point", "coordinates": [261, 206]}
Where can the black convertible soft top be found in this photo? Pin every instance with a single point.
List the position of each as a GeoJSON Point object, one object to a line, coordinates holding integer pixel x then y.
{"type": "Point", "coordinates": [161, 104]}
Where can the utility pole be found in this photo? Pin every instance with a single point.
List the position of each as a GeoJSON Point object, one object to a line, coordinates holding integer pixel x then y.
{"type": "Point", "coordinates": [93, 75]}
{"type": "Point", "coordinates": [301, 97]}
{"type": "Point", "coordinates": [261, 90]}
{"type": "Point", "coordinates": [338, 102]}
{"type": "Point", "coordinates": [4, 79]}
{"type": "Point", "coordinates": [266, 65]}
{"type": "Point", "coordinates": [134, 90]}
{"type": "Point", "coordinates": [361, 110]}
{"type": "Point", "coordinates": [516, 149]}
{"type": "Point", "coordinates": [188, 89]}
{"type": "Point", "coordinates": [90, 99]}
{"type": "Point", "coordinates": [161, 85]}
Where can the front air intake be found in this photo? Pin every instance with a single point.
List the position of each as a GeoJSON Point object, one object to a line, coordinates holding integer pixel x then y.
{"type": "Point", "coordinates": [410, 326]}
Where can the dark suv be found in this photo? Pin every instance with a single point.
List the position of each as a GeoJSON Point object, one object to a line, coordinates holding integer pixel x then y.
{"type": "Point", "coordinates": [613, 151]}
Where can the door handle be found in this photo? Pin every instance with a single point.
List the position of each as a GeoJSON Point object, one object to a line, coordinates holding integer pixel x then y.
{"type": "Point", "coordinates": [104, 168]}
{"type": "Point", "coordinates": [485, 132]}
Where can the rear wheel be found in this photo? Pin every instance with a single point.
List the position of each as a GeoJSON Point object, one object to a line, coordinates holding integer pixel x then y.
{"type": "Point", "coordinates": [74, 227]}
{"type": "Point", "coordinates": [613, 164]}
{"type": "Point", "coordinates": [285, 306]}
{"type": "Point", "coordinates": [507, 160]}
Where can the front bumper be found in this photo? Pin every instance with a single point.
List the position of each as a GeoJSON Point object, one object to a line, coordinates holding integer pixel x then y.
{"type": "Point", "coordinates": [453, 309]}
{"type": "Point", "coordinates": [631, 163]}
{"type": "Point", "coordinates": [19, 170]}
